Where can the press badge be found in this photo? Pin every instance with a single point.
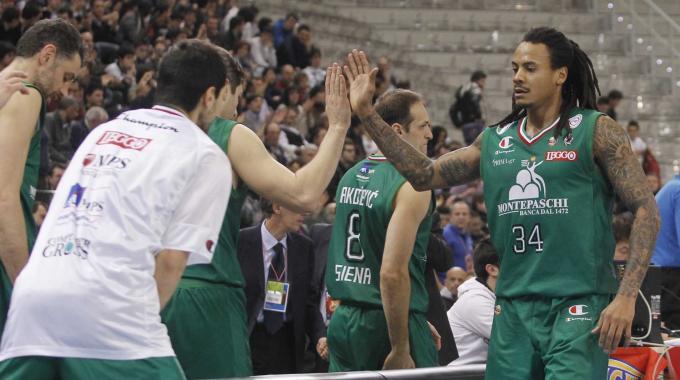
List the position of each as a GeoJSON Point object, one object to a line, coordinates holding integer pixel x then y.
{"type": "Point", "coordinates": [276, 297]}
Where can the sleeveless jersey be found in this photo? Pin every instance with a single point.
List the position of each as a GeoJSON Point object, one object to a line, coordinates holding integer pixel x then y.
{"type": "Point", "coordinates": [549, 210]}
{"type": "Point", "coordinates": [224, 267]}
{"type": "Point", "coordinates": [364, 206]}
{"type": "Point", "coordinates": [30, 181]}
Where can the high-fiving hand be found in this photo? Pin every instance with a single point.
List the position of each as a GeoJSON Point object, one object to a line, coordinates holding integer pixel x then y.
{"type": "Point", "coordinates": [10, 82]}
{"type": "Point", "coordinates": [337, 104]}
{"type": "Point", "coordinates": [361, 82]}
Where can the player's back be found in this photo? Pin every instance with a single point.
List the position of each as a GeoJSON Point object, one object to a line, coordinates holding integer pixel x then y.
{"type": "Point", "coordinates": [89, 289]}
{"type": "Point", "coordinates": [364, 206]}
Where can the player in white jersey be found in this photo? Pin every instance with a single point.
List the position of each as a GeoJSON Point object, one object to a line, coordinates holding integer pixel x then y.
{"type": "Point", "coordinates": [127, 217]}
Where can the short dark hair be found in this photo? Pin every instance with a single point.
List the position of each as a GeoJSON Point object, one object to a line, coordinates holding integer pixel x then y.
{"type": "Point", "coordinates": [395, 106]}
{"type": "Point", "coordinates": [602, 100]}
{"type": "Point", "coordinates": [634, 124]}
{"type": "Point", "coordinates": [57, 165]}
{"type": "Point", "coordinates": [10, 14]}
{"type": "Point", "coordinates": [187, 71]}
{"type": "Point", "coordinates": [484, 254]}
{"type": "Point", "coordinates": [304, 27]}
{"type": "Point", "coordinates": [615, 95]}
{"type": "Point", "coordinates": [622, 224]}
{"type": "Point", "coordinates": [443, 210]}
{"type": "Point", "coordinates": [477, 75]}
{"type": "Point", "coordinates": [92, 87]}
{"type": "Point", "coordinates": [235, 73]}
{"type": "Point", "coordinates": [265, 25]}
{"type": "Point", "coordinates": [125, 50]}
{"type": "Point", "coordinates": [31, 10]}
{"type": "Point", "coordinates": [6, 48]}
{"type": "Point", "coordinates": [61, 34]}
{"type": "Point", "coordinates": [267, 207]}
{"type": "Point", "coordinates": [293, 15]}
{"type": "Point", "coordinates": [313, 52]}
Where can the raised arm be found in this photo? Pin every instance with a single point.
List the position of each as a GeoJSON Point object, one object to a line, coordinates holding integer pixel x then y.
{"type": "Point", "coordinates": [614, 155]}
{"type": "Point", "coordinates": [395, 284]}
{"type": "Point", "coordinates": [454, 168]}
{"type": "Point", "coordinates": [17, 125]}
{"type": "Point", "coordinates": [298, 191]}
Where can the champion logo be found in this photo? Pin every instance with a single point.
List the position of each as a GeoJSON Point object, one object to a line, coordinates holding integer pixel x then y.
{"type": "Point", "coordinates": [561, 155]}
{"type": "Point", "coordinates": [123, 140]}
{"type": "Point", "coordinates": [506, 142]}
{"type": "Point", "coordinates": [578, 310]}
{"type": "Point", "coordinates": [575, 121]}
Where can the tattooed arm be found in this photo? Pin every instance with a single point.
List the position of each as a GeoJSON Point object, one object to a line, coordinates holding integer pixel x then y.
{"type": "Point", "coordinates": [452, 169]}
{"type": "Point", "coordinates": [615, 157]}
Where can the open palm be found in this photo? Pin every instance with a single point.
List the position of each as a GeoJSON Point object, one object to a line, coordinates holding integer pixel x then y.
{"type": "Point", "coordinates": [361, 82]}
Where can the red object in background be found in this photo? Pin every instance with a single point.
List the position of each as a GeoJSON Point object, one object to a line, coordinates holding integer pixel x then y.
{"type": "Point", "coordinates": [673, 356]}
{"type": "Point", "coordinates": [631, 363]}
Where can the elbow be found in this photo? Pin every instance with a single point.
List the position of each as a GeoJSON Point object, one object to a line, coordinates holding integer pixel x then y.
{"type": "Point", "coordinates": [393, 276]}
{"type": "Point", "coordinates": [309, 203]}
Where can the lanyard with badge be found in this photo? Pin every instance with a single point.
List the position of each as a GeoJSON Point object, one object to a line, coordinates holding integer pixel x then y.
{"type": "Point", "coordinates": [276, 294]}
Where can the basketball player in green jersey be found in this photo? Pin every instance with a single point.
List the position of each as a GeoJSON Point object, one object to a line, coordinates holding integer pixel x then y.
{"type": "Point", "coordinates": [49, 53]}
{"type": "Point", "coordinates": [206, 317]}
{"type": "Point", "coordinates": [377, 255]}
{"type": "Point", "coordinates": [550, 171]}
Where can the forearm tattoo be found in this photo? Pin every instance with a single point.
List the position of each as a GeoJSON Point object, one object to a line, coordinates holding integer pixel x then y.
{"type": "Point", "coordinates": [614, 155]}
{"type": "Point", "coordinates": [413, 165]}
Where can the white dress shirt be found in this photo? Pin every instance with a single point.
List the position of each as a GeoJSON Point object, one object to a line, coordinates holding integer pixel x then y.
{"type": "Point", "coordinates": [268, 243]}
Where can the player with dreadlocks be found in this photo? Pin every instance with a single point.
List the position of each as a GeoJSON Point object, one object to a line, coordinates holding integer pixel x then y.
{"type": "Point", "coordinates": [550, 171]}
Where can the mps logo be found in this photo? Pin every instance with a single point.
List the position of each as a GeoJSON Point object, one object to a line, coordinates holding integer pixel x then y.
{"type": "Point", "coordinates": [578, 310]}
{"type": "Point", "coordinates": [123, 140]}
{"type": "Point", "coordinates": [561, 155]}
{"type": "Point", "coordinates": [505, 143]}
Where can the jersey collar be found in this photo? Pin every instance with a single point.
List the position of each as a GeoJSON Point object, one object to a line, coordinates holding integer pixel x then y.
{"type": "Point", "coordinates": [530, 140]}
{"type": "Point", "coordinates": [377, 157]}
{"type": "Point", "coordinates": [170, 111]}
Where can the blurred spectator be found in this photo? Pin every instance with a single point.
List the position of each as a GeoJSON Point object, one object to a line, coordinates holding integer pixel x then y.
{"type": "Point", "coordinates": [348, 158]}
{"type": "Point", "coordinates": [653, 182]}
{"type": "Point", "coordinates": [58, 128]}
{"type": "Point", "coordinates": [296, 49]}
{"type": "Point", "coordinates": [104, 22]}
{"type": "Point", "coordinates": [234, 33]}
{"type": "Point", "coordinates": [636, 142]}
{"type": "Point", "coordinates": [438, 259]}
{"type": "Point", "coordinates": [243, 57]}
{"type": "Point", "coordinates": [622, 225]}
{"type": "Point", "coordinates": [466, 111]}
{"type": "Point", "coordinates": [603, 104]}
{"type": "Point", "coordinates": [449, 293]}
{"type": "Point", "coordinates": [39, 213]}
{"type": "Point", "coordinates": [314, 71]}
{"type": "Point", "coordinates": [471, 316]}
{"type": "Point", "coordinates": [437, 142]}
{"type": "Point", "coordinates": [667, 251]}
{"type": "Point", "coordinates": [7, 54]}
{"type": "Point", "coordinates": [615, 97]}
{"type": "Point", "coordinates": [456, 233]}
{"type": "Point", "coordinates": [94, 117]}
{"type": "Point", "coordinates": [254, 117]}
{"type": "Point", "coordinates": [385, 68]}
{"type": "Point", "coordinates": [283, 28]}
{"type": "Point", "coordinates": [262, 49]}
{"type": "Point", "coordinates": [272, 133]}
{"type": "Point", "coordinates": [10, 28]}
{"type": "Point", "coordinates": [56, 172]}
{"type": "Point", "coordinates": [31, 14]}
{"type": "Point", "coordinates": [250, 27]}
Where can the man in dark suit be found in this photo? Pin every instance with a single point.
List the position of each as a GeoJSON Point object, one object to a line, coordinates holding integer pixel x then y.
{"type": "Point", "coordinates": [281, 301]}
{"type": "Point", "coordinates": [320, 233]}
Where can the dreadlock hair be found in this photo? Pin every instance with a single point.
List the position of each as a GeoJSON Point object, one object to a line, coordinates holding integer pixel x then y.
{"type": "Point", "coordinates": [579, 90]}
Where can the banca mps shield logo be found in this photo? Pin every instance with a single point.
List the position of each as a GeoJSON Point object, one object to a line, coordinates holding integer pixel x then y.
{"type": "Point", "coordinates": [506, 142]}
{"type": "Point", "coordinates": [578, 310]}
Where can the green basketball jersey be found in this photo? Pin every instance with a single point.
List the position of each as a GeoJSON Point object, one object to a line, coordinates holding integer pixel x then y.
{"type": "Point", "coordinates": [549, 210]}
{"type": "Point", "coordinates": [31, 172]}
{"type": "Point", "coordinates": [364, 206]}
{"type": "Point", "coordinates": [224, 267]}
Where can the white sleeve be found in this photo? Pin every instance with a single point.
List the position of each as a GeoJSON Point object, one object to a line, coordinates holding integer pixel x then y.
{"type": "Point", "coordinates": [195, 224]}
{"type": "Point", "coordinates": [480, 316]}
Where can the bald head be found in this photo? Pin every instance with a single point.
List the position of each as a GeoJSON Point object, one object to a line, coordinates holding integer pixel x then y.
{"type": "Point", "coordinates": [454, 277]}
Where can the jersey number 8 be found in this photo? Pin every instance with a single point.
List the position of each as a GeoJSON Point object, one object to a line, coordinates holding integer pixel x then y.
{"type": "Point", "coordinates": [353, 251]}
